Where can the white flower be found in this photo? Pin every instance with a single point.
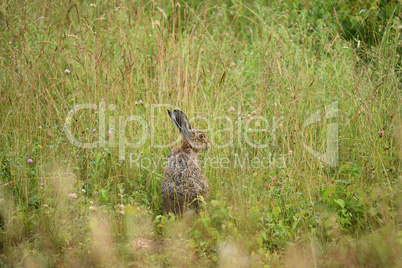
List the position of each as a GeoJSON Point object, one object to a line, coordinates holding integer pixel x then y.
{"type": "Point", "coordinates": [91, 208]}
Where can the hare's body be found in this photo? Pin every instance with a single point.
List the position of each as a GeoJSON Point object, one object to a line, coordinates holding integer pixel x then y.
{"type": "Point", "coordinates": [184, 181]}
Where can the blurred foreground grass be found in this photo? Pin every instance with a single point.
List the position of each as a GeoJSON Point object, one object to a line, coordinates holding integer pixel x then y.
{"type": "Point", "coordinates": [247, 73]}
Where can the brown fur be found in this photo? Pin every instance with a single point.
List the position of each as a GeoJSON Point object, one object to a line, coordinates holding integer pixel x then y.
{"type": "Point", "coordinates": [184, 180]}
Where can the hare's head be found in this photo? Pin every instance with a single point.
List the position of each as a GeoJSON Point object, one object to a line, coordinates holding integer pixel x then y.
{"type": "Point", "coordinates": [195, 139]}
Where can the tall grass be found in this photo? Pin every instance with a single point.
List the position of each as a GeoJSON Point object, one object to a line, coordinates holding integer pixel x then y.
{"type": "Point", "coordinates": [203, 57]}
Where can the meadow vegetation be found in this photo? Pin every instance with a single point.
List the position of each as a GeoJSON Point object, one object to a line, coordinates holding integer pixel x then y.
{"type": "Point", "coordinates": [105, 72]}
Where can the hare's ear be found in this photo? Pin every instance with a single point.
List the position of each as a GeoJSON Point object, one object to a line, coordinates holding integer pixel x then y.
{"type": "Point", "coordinates": [182, 121]}
{"type": "Point", "coordinates": [172, 116]}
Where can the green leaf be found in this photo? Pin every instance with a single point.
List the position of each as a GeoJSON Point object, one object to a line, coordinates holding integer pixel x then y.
{"type": "Point", "coordinates": [206, 221]}
{"type": "Point", "coordinates": [276, 211]}
{"type": "Point", "coordinates": [340, 202]}
{"type": "Point", "coordinates": [214, 203]}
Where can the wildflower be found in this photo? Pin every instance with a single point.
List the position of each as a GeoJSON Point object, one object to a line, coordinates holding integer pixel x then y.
{"type": "Point", "coordinates": [84, 191]}
{"type": "Point", "coordinates": [91, 208]}
{"type": "Point", "coordinates": [94, 130]}
{"type": "Point", "coordinates": [96, 192]}
{"type": "Point", "coordinates": [231, 109]}
{"type": "Point", "coordinates": [30, 161]}
{"type": "Point", "coordinates": [247, 116]}
{"type": "Point", "coordinates": [253, 113]}
{"type": "Point", "coordinates": [45, 205]}
{"type": "Point", "coordinates": [233, 65]}
{"type": "Point", "coordinates": [67, 71]}
{"type": "Point", "coordinates": [91, 202]}
{"type": "Point", "coordinates": [380, 133]}
{"type": "Point", "coordinates": [73, 195]}
{"type": "Point", "coordinates": [259, 109]}
{"type": "Point", "coordinates": [49, 133]}
{"type": "Point", "coordinates": [139, 102]}
{"type": "Point", "coordinates": [122, 212]}
{"type": "Point", "coordinates": [290, 153]}
{"type": "Point", "coordinates": [257, 124]}
{"type": "Point", "coordinates": [110, 133]}
{"type": "Point", "coordinates": [122, 159]}
{"type": "Point", "coordinates": [121, 206]}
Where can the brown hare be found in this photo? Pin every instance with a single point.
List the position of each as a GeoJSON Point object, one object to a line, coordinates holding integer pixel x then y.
{"type": "Point", "coordinates": [183, 179]}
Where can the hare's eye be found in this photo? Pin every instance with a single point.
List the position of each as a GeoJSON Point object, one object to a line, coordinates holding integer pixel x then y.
{"type": "Point", "coordinates": [201, 136]}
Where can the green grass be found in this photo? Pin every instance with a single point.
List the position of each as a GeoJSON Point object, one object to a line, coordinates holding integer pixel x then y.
{"type": "Point", "coordinates": [285, 61]}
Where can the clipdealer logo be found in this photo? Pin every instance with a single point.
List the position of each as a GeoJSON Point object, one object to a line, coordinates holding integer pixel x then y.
{"type": "Point", "coordinates": [243, 129]}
